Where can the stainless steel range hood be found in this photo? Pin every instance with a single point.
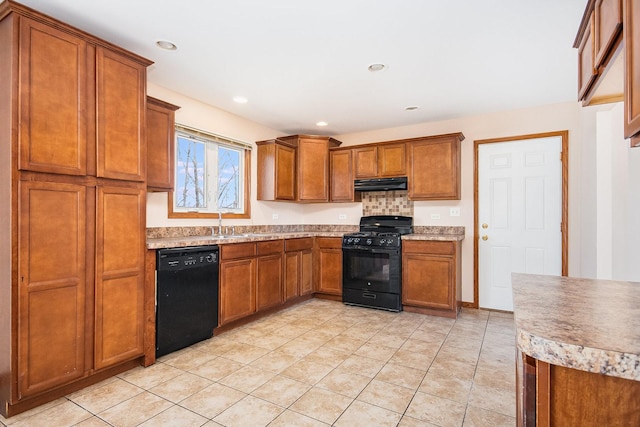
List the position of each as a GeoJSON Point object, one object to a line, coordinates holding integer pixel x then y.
{"type": "Point", "coordinates": [380, 184]}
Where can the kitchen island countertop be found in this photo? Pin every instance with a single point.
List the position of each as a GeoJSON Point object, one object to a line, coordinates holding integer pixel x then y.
{"type": "Point", "coordinates": [585, 324]}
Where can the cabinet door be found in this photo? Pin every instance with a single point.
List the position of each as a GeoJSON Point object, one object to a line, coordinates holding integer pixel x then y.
{"type": "Point", "coordinates": [53, 100]}
{"type": "Point", "coordinates": [366, 162]}
{"type": "Point", "coordinates": [341, 165]}
{"type": "Point", "coordinates": [607, 26]}
{"type": "Point", "coordinates": [427, 281]}
{"type": "Point", "coordinates": [587, 71]}
{"type": "Point", "coordinates": [269, 281]}
{"type": "Point", "coordinates": [160, 144]}
{"type": "Point", "coordinates": [434, 169]}
{"type": "Point", "coordinates": [313, 170]}
{"type": "Point", "coordinates": [329, 265]}
{"type": "Point", "coordinates": [119, 294]}
{"type": "Point", "coordinates": [237, 289]}
{"type": "Point", "coordinates": [120, 89]}
{"type": "Point", "coordinates": [392, 160]}
{"type": "Point", "coordinates": [632, 72]}
{"type": "Point", "coordinates": [291, 275]}
{"type": "Point", "coordinates": [285, 187]}
{"type": "Point", "coordinates": [306, 272]}
{"type": "Point", "coordinates": [52, 285]}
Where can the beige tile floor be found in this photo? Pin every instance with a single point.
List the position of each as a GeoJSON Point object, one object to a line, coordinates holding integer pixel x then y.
{"type": "Point", "coordinates": [316, 364]}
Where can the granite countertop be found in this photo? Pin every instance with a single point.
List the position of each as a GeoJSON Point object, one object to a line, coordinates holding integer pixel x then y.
{"type": "Point", "coordinates": [176, 237]}
{"type": "Point", "coordinates": [585, 324]}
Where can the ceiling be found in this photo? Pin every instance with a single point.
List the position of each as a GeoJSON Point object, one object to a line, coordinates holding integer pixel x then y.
{"type": "Point", "coordinates": [299, 62]}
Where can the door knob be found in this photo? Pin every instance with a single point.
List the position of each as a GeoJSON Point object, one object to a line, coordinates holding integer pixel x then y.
{"type": "Point", "coordinates": [485, 237]}
{"type": "Point", "coordinates": [485, 225]}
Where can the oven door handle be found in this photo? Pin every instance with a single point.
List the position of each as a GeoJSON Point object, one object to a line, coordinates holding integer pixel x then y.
{"type": "Point", "coordinates": [372, 250]}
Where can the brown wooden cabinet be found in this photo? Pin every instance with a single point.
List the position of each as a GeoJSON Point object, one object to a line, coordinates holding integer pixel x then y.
{"type": "Point", "coordinates": [119, 291]}
{"type": "Point", "coordinates": [269, 275]}
{"type": "Point", "coordinates": [552, 395]}
{"type": "Point", "coordinates": [380, 160]}
{"type": "Point", "coordinates": [434, 167]}
{"type": "Point", "coordinates": [587, 71]}
{"type": "Point", "coordinates": [237, 281]}
{"type": "Point", "coordinates": [431, 277]}
{"type": "Point", "coordinates": [294, 168]}
{"type": "Point", "coordinates": [298, 276]}
{"type": "Point", "coordinates": [251, 278]}
{"type": "Point", "coordinates": [72, 286]}
{"type": "Point", "coordinates": [52, 287]}
{"type": "Point", "coordinates": [341, 169]}
{"type": "Point", "coordinates": [160, 144]}
{"type": "Point", "coordinates": [276, 171]}
{"type": "Point", "coordinates": [59, 113]}
{"type": "Point", "coordinates": [632, 71]}
{"type": "Point", "coordinates": [328, 270]}
{"type": "Point", "coordinates": [607, 25]}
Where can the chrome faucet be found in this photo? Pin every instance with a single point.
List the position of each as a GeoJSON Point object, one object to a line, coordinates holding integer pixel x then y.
{"type": "Point", "coordinates": [220, 223]}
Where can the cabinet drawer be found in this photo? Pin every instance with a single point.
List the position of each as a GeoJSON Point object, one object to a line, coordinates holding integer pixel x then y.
{"type": "Point", "coordinates": [428, 247]}
{"type": "Point", "coordinates": [237, 250]}
{"type": "Point", "coordinates": [329, 242]}
{"type": "Point", "coordinates": [270, 247]}
{"type": "Point", "coordinates": [291, 245]}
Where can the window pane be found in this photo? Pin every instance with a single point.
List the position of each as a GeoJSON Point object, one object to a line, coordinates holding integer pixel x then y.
{"type": "Point", "coordinates": [229, 179]}
{"type": "Point", "coordinates": [190, 174]}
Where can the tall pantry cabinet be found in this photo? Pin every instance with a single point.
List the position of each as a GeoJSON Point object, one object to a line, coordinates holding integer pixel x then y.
{"type": "Point", "coordinates": [72, 221]}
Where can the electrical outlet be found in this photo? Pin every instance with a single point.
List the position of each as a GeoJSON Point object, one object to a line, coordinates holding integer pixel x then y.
{"type": "Point", "coordinates": [274, 216]}
{"type": "Point", "coordinates": [342, 216]}
{"type": "Point", "coordinates": [435, 216]}
{"type": "Point", "coordinates": [454, 212]}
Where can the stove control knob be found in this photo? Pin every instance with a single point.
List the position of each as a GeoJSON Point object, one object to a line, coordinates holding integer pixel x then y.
{"type": "Point", "coordinates": [356, 240]}
{"type": "Point", "coordinates": [382, 241]}
{"type": "Point", "coordinates": [369, 241]}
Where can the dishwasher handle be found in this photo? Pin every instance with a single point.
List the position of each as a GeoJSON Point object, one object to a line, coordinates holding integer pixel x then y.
{"type": "Point", "coordinates": [176, 259]}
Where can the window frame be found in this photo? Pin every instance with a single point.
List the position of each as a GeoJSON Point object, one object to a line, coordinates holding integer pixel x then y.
{"type": "Point", "coordinates": [224, 141]}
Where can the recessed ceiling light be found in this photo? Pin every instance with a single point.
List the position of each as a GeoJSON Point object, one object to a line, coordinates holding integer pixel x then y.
{"type": "Point", "coordinates": [240, 99]}
{"type": "Point", "coordinates": [166, 45]}
{"type": "Point", "coordinates": [322, 124]}
{"type": "Point", "coordinates": [374, 68]}
{"type": "Point", "coordinates": [411, 108]}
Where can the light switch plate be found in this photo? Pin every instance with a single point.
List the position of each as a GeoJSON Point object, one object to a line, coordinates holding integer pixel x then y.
{"type": "Point", "coordinates": [274, 216]}
{"type": "Point", "coordinates": [454, 212]}
{"type": "Point", "coordinates": [342, 216]}
{"type": "Point", "coordinates": [435, 216]}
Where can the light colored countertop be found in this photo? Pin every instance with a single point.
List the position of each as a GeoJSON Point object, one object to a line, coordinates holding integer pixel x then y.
{"type": "Point", "coordinates": [585, 324]}
{"type": "Point", "coordinates": [166, 238]}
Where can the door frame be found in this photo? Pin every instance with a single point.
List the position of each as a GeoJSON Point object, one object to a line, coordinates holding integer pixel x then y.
{"type": "Point", "coordinates": [564, 225]}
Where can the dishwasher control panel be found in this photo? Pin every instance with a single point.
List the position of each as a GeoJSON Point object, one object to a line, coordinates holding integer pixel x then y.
{"type": "Point", "coordinates": [183, 258]}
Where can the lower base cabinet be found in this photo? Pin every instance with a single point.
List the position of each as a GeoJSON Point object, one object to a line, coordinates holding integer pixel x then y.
{"type": "Point", "coordinates": [328, 273]}
{"type": "Point", "coordinates": [551, 395]}
{"type": "Point", "coordinates": [431, 277]}
{"type": "Point", "coordinates": [251, 278]}
{"type": "Point", "coordinates": [298, 275]}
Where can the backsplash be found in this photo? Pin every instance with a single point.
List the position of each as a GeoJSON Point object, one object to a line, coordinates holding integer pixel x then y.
{"type": "Point", "coordinates": [387, 203]}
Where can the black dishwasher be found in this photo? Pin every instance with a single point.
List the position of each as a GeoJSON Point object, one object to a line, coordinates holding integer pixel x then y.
{"type": "Point", "coordinates": [186, 296]}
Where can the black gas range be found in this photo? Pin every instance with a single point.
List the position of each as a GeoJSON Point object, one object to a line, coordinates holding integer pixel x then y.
{"type": "Point", "coordinates": [372, 262]}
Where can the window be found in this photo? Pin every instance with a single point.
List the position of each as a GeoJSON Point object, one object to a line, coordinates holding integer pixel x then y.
{"type": "Point", "coordinates": [211, 176]}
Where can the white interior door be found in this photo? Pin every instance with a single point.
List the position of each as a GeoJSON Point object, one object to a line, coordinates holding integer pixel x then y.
{"type": "Point", "coordinates": [519, 214]}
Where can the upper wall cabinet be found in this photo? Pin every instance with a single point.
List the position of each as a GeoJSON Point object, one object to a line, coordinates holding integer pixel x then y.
{"type": "Point", "coordinates": [81, 104]}
{"type": "Point", "coordinates": [632, 71]}
{"type": "Point", "coordinates": [608, 43]}
{"type": "Point", "coordinates": [294, 168]}
{"type": "Point", "coordinates": [380, 160]}
{"type": "Point", "coordinates": [341, 169]}
{"type": "Point", "coordinates": [160, 144]}
{"type": "Point", "coordinates": [434, 167]}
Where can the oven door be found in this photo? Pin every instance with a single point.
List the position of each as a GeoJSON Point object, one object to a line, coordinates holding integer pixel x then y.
{"type": "Point", "coordinates": [371, 269]}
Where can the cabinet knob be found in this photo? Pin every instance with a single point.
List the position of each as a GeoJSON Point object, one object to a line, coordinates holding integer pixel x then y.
{"type": "Point", "coordinates": [485, 225]}
{"type": "Point", "coordinates": [485, 237]}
